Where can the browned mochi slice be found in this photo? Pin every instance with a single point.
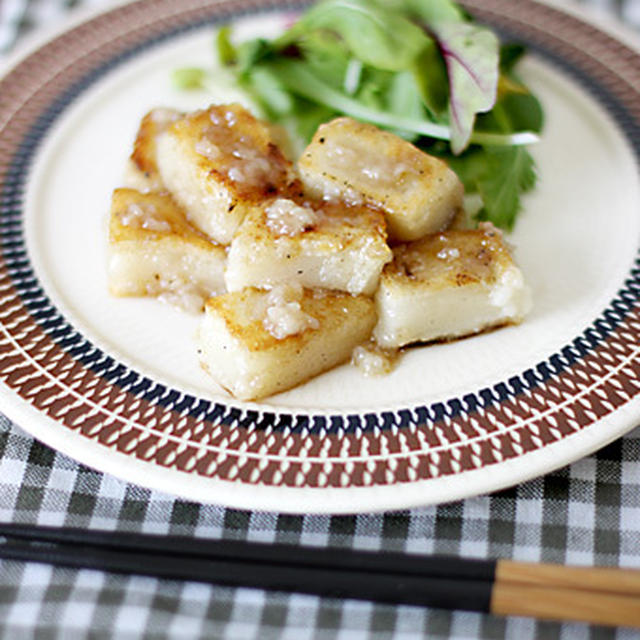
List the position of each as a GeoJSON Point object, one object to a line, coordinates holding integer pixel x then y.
{"type": "Point", "coordinates": [257, 343]}
{"type": "Point", "coordinates": [154, 251]}
{"type": "Point", "coordinates": [449, 285]}
{"type": "Point", "coordinates": [220, 162]}
{"type": "Point", "coordinates": [360, 163]}
{"type": "Point", "coordinates": [142, 169]}
{"type": "Point", "coordinates": [329, 246]}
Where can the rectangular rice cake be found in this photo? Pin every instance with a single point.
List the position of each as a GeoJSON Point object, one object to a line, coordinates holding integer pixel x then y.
{"type": "Point", "coordinates": [220, 162]}
{"type": "Point", "coordinates": [360, 163]}
{"type": "Point", "coordinates": [154, 251]}
{"type": "Point", "coordinates": [330, 246]}
{"type": "Point", "coordinates": [142, 168]}
{"type": "Point", "coordinates": [257, 343]}
{"type": "Point", "coordinates": [449, 285]}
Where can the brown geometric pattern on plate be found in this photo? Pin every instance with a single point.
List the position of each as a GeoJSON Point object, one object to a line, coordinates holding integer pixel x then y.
{"type": "Point", "coordinates": [57, 385]}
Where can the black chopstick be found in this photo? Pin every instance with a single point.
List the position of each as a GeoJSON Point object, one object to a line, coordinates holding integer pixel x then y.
{"type": "Point", "coordinates": [257, 553]}
{"type": "Point", "coordinates": [603, 596]}
{"type": "Point", "coordinates": [223, 569]}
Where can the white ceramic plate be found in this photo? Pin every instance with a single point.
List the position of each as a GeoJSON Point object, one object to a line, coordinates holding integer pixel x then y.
{"type": "Point", "coordinates": [116, 383]}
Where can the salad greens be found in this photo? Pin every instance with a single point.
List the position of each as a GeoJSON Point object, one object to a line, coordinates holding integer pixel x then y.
{"type": "Point", "coordinates": [420, 68]}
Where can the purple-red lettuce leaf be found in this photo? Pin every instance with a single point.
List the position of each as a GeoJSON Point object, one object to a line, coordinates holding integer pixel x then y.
{"type": "Point", "coordinates": [472, 56]}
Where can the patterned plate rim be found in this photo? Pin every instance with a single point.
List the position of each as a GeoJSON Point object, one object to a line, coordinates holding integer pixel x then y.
{"type": "Point", "coordinates": [71, 395]}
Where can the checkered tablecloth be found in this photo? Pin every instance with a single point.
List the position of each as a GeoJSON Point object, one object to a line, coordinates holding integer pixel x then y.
{"type": "Point", "coordinates": [587, 513]}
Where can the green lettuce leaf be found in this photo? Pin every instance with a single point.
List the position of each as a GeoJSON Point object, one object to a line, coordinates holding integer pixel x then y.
{"type": "Point", "coordinates": [508, 173]}
{"type": "Point", "coordinates": [374, 34]}
{"type": "Point", "coordinates": [432, 11]}
{"type": "Point", "coordinates": [420, 68]}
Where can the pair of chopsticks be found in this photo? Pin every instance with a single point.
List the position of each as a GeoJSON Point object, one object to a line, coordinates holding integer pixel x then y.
{"type": "Point", "coordinates": [502, 587]}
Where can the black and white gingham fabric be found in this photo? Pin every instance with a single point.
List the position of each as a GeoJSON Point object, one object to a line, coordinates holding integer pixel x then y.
{"type": "Point", "coordinates": [587, 513]}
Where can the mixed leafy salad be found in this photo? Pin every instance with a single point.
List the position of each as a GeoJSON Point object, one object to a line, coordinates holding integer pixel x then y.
{"type": "Point", "coordinates": [423, 69]}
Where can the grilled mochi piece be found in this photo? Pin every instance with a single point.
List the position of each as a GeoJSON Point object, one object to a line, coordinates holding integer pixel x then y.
{"type": "Point", "coordinates": [328, 246]}
{"type": "Point", "coordinates": [256, 343]}
{"type": "Point", "coordinates": [154, 251]}
{"type": "Point", "coordinates": [449, 285]}
{"type": "Point", "coordinates": [219, 163]}
{"type": "Point", "coordinates": [360, 163]}
{"type": "Point", "coordinates": [142, 168]}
